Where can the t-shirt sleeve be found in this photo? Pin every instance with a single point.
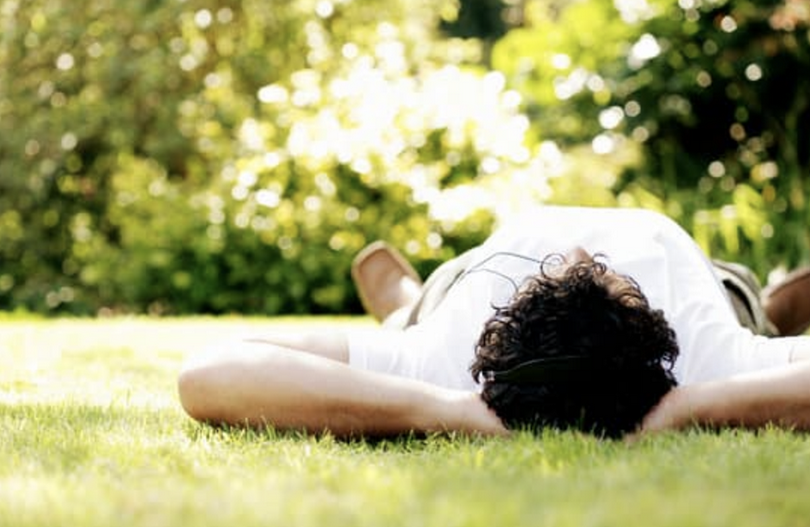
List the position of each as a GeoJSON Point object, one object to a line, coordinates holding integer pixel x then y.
{"type": "Point", "coordinates": [444, 342]}
{"type": "Point", "coordinates": [381, 350]}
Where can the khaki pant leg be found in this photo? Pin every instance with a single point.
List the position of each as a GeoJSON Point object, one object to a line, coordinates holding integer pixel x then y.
{"type": "Point", "coordinates": [743, 290]}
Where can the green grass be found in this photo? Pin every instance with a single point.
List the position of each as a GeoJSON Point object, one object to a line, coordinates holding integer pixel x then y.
{"type": "Point", "coordinates": [91, 434]}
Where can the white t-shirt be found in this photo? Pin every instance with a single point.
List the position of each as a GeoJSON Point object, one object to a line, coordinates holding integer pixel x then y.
{"type": "Point", "coordinates": [669, 267]}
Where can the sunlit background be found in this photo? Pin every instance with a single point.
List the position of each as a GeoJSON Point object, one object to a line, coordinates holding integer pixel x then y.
{"type": "Point", "coordinates": [201, 156]}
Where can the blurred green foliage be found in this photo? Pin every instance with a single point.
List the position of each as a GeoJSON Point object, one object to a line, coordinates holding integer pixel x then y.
{"type": "Point", "coordinates": [713, 95]}
{"type": "Point", "coordinates": [221, 156]}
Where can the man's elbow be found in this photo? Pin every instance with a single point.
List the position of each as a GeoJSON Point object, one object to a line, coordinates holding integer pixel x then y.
{"type": "Point", "coordinates": [195, 384]}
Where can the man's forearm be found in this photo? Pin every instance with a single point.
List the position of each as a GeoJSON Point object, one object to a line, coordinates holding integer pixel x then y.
{"type": "Point", "coordinates": [294, 390]}
{"type": "Point", "coordinates": [779, 396]}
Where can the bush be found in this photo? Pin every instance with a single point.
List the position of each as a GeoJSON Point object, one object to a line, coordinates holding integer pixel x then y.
{"type": "Point", "coordinates": [714, 97]}
{"type": "Point", "coordinates": [214, 156]}
{"type": "Point", "coordinates": [219, 156]}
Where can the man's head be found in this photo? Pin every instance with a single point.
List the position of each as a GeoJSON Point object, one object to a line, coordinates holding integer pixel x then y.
{"type": "Point", "coordinates": [578, 346]}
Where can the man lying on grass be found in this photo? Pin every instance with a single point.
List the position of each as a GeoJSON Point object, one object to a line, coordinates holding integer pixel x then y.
{"type": "Point", "coordinates": [529, 329]}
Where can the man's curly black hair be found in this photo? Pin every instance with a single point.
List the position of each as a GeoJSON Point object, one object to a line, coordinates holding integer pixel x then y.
{"type": "Point", "coordinates": [628, 347]}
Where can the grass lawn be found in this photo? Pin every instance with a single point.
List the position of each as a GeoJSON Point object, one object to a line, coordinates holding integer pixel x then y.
{"type": "Point", "coordinates": [91, 434]}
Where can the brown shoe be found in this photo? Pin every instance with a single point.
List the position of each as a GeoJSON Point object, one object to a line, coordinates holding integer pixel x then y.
{"type": "Point", "coordinates": [385, 281]}
{"type": "Point", "coordinates": [787, 304]}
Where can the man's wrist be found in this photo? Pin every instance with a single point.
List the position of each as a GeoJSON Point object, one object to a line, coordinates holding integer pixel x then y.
{"type": "Point", "coordinates": [481, 417]}
{"type": "Point", "coordinates": [466, 412]}
{"type": "Point", "coordinates": [675, 410]}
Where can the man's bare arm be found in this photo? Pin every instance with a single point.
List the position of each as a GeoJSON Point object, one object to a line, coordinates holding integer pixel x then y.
{"type": "Point", "coordinates": [267, 383]}
{"type": "Point", "coordinates": [779, 396]}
